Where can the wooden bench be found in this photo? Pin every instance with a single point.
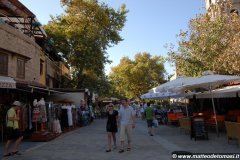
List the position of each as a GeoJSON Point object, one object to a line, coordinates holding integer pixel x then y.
{"type": "Point", "coordinates": [233, 131]}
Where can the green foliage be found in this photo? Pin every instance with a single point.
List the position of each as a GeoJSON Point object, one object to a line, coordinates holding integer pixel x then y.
{"type": "Point", "coordinates": [131, 78]}
{"type": "Point", "coordinates": [211, 43]}
{"type": "Point", "coordinates": [83, 34]}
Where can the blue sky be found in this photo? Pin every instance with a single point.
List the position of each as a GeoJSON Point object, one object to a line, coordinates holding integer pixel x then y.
{"type": "Point", "coordinates": [151, 24]}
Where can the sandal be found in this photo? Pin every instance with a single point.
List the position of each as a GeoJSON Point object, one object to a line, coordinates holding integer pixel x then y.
{"type": "Point", "coordinates": [109, 150]}
{"type": "Point", "coordinates": [128, 149]}
{"type": "Point", "coordinates": [7, 155]}
{"type": "Point", "coordinates": [121, 151]}
{"type": "Point", "coordinates": [16, 153]}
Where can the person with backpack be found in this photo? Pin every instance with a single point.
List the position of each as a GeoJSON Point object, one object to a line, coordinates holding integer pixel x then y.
{"type": "Point", "coordinates": [13, 131]}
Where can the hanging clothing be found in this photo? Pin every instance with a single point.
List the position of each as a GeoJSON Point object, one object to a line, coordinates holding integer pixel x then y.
{"type": "Point", "coordinates": [43, 112]}
{"type": "Point", "coordinates": [56, 126]}
{"type": "Point", "coordinates": [30, 117]}
{"type": "Point", "coordinates": [64, 118]}
{"type": "Point", "coordinates": [69, 114]}
{"type": "Point", "coordinates": [36, 114]}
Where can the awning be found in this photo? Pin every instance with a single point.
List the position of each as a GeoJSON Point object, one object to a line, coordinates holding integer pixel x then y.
{"type": "Point", "coordinates": [226, 92]}
{"type": "Point", "coordinates": [7, 82]}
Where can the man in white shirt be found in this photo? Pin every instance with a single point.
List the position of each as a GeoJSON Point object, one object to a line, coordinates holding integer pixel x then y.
{"type": "Point", "coordinates": [127, 122]}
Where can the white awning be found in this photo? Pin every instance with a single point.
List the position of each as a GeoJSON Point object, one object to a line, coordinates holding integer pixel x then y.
{"type": "Point", "coordinates": [7, 82]}
{"type": "Point", "coordinates": [226, 92]}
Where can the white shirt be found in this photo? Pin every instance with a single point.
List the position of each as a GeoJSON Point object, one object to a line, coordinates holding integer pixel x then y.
{"type": "Point", "coordinates": [126, 115]}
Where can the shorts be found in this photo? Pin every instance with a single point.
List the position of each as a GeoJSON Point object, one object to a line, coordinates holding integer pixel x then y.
{"type": "Point", "coordinates": [13, 134]}
{"type": "Point", "coordinates": [126, 130]}
{"type": "Point", "coordinates": [149, 123]}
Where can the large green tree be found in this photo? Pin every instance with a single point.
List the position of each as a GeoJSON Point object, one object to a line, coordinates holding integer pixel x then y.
{"type": "Point", "coordinates": [131, 78]}
{"type": "Point", "coordinates": [211, 43]}
{"type": "Point", "coordinates": [82, 34]}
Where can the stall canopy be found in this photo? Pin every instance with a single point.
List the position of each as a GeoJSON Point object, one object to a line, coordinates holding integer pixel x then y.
{"type": "Point", "coordinates": [209, 82]}
{"type": "Point", "coordinates": [165, 95]}
{"type": "Point", "coordinates": [226, 92]}
{"type": "Point", "coordinates": [172, 85]}
{"type": "Point", "coordinates": [7, 82]}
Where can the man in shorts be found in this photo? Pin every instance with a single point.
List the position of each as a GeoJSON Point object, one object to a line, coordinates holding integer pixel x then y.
{"type": "Point", "coordinates": [149, 112]}
{"type": "Point", "coordinates": [127, 122]}
{"type": "Point", "coordinates": [13, 131]}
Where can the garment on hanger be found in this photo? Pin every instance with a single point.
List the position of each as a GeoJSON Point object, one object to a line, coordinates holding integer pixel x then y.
{"type": "Point", "coordinates": [36, 112]}
{"type": "Point", "coordinates": [64, 117]}
{"type": "Point", "coordinates": [30, 117]}
{"type": "Point", "coordinates": [43, 112]}
{"type": "Point", "coordinates": [69, 113]}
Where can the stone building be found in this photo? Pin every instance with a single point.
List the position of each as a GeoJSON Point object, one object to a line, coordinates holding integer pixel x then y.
{"type": "Point", "coordinates": [27, 62]}
{"type": "Point", "coordinates": [234, 8]}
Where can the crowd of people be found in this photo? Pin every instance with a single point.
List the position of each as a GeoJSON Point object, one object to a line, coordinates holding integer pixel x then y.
{"type": "Point", "coordinates": [120, 118]}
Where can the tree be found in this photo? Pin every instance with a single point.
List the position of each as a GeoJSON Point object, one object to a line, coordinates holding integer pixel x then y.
{"type": "Point", "coordinates": [131, 78]}
{"type": "Point", "coordinates": [211, 43]}
{"type": "Point", "coordinates": [82, 34]}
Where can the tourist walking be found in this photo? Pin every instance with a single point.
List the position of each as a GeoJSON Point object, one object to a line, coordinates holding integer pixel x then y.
{"type": "Point", "coordinates": [127, 123]}
{"type": "Point", "coordinates": [149, 112]}
{"type": "Point", "coordinates": [112, 117]}
{"type": "Point", "coordinates": [13, 131]}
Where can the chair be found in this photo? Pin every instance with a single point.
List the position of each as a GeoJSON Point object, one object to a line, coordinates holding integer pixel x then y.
{"type": "Point", "coordinates": [233, 130]}
{"type": "Point", "coordinates": [172, 117]}
{"type": "Point", "coordinates": [185, 124]}
{"type": "Point", "coordinates": [238, 119]}
{"type": "Point", "coordinates": [220, 120]}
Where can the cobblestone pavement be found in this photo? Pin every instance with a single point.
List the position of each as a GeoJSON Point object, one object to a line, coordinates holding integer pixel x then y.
{"type": "Point", "coordinates": [90, 143]}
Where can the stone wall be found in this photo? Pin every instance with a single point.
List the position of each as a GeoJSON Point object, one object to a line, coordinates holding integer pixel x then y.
{"type": "Point", "coordinates": [17, 44]}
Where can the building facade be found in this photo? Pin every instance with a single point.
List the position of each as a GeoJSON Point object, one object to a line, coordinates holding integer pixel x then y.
{"type": "Point", "coordinates": [25, 55]}
{"type": "Point", "coordinates": [235, 5]}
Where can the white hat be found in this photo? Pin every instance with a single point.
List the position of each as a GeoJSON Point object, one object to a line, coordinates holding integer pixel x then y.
{"type": "Point", "coordinates": [16, 103]}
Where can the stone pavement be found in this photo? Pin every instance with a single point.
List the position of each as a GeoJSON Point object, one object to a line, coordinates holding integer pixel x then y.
{"type": "Point", "coordinates": [90, 142]}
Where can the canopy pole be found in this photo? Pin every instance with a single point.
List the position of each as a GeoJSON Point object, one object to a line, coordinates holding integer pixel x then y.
{"type": "Point", "coordinates": [2, 131]}
{"type": "Point", "coordinates": [186, 104]}
{"type": "Point", "coordinates": [214, 112]}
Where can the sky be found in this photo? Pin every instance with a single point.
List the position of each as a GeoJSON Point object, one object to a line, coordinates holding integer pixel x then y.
{"type": "Point", "coordinates": [150, 26]}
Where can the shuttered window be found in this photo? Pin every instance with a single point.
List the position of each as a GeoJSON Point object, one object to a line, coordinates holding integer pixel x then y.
{"type": "Point", "coordinates": [20, 68]}
{"type": "Point", "coordinates": [3, 64]}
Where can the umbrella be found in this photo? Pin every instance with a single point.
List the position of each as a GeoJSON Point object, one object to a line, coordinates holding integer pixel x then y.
{"type": "Point", "coordinates": [225, 92]}
{"type": "Point", "coordinates": [210, 82]}
{"type": "Point", "coordinates": [162, 95]}
{"type": "Point", "coordinates": [145, 96]}
{"type": "Point", "coordinates": [173, 86]}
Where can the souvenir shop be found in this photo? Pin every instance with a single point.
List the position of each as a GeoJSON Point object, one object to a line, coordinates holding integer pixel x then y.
{"type": "Point", "coordinates": [41, 120]}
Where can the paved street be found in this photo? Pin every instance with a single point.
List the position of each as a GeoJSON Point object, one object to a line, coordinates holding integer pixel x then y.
{"type": "Point", "coordinates": [90, 143]}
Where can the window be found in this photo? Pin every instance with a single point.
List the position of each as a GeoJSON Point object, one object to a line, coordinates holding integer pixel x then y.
{"type": "Point", "coordinates": [234, 11]}
{"type": "Point", "coordinates": [3, 64]}
{"type": "Point", "coordinates": [20, 68]}
{"type": "Point", "coordinates": [41, 67]}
